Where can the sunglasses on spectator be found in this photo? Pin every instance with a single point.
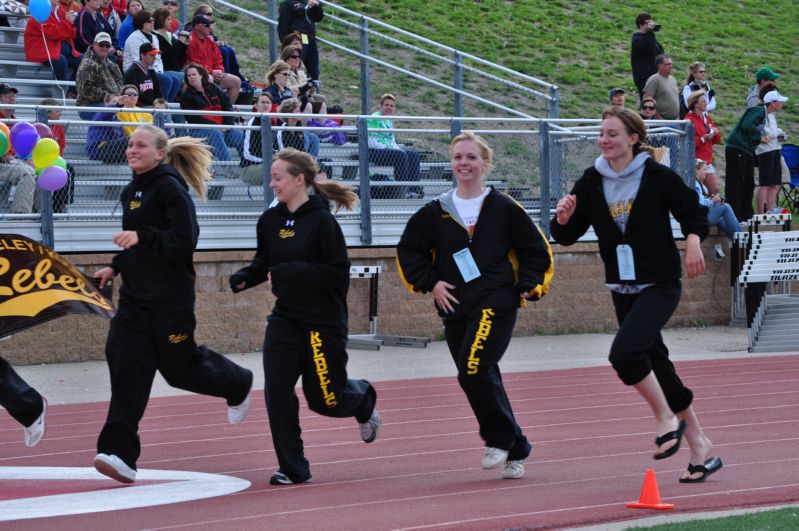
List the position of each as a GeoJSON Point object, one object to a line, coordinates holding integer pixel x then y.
{"type": "Point", "coordinates": [294, 56]}
{"type": "Point", "coordinates": [700, 71]}
{"type": "Point", "coordinates": [103, 44]}
{"type": "Point", "coordinates": [131, 94]}
{"type": "Point", "coordinates": [648, 108]}
{"type": "Point", "coordinates": [170, 3]}
{"type": "Point", "coordinates": [152, 20]}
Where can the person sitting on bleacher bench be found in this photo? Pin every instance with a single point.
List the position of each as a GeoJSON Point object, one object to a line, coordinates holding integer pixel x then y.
{"type": "Point", "coordinates": [383, 147]}
{"type": "Point", "coordinates": [12, 169]}
{"type": "Point", "coordinates": [97, 76]}
{"type": "Point", "coordinates": [107, 142]}
{"type": "Point", "coordinates": [141, 74]}
{"type": "Point", "coordinates": [52, 43]}
{"type": "Point", "coordinates": [204, 51]}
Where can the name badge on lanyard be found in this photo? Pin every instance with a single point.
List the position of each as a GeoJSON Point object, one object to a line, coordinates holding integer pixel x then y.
{"type": "Point", "coordinates": [466, 265]}
{"type": "Point", "coordinates": [624, 256]}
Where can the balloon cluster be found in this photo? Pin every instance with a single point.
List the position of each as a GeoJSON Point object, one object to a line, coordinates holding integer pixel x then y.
{"type": "Point", "coordinates": [35, 141]}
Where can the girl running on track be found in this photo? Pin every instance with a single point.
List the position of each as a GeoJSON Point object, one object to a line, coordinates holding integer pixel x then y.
{"type": "Point", "coordinates": [301, 251]}
{"type": "Point", "coordinates": [153, 329]}
{"type": "Point", "coordinates": [627, 197]}
{"type": "Point", "coordinates": [480, 255]}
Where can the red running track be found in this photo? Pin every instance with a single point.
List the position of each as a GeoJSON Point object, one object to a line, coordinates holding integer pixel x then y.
{"type": "Point", "coordinates": [593, 441]}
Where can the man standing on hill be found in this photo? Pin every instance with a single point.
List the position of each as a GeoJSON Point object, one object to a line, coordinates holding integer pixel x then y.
{"type": "Point", "coordinates": [764, 76]}
{"type": "Point", "coordinates": [301, 16]}
{"type": "Point", "coordinates": [662, 87]}
{"type": "Point", "coordinates": [645, 48]}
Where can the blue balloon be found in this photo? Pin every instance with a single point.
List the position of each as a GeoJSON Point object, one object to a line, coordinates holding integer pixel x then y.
{"type": "Point", "coordinates": [40, 10]}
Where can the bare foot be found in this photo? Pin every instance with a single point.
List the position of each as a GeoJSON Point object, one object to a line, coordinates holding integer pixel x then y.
{"type": "Point", "coordinates": [664, 427]}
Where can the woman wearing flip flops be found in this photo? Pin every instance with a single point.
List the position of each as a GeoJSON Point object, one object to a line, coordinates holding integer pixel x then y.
{"type": "Point", "coordinates": [627, 197]}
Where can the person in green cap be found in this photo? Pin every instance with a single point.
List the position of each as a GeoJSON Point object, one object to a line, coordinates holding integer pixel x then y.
{"type": "Point", "coordinates": [764, 76]}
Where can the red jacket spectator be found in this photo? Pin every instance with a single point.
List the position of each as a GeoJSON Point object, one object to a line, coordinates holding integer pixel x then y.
{"type": "Point", "coordinates": [204, 52]}
{"type": "Point", "coordinates": [121, 7]}
{"type": "Point", "coordinates": [702, 125]}
{"type": "Point", "coordinates": [56, 29]}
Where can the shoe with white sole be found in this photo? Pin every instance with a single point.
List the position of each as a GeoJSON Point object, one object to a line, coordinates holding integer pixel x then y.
{"type": "Point", "coordinates": [513, 469]}
{"type": "Point", "coordinates": [236, 414]}
{"type": "Point", "coordinates": [371, 428]}
{"type": "Point", "coordinates": [279, 478]}
{"type": "Point", "coordinates": [114, 467]}
{"type": "Point", "coordinates": [493, 457]}
{"type": "Point", "coordinates": [35, 432]}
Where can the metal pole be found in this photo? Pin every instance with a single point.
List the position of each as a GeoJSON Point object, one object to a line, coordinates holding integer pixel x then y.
{"type": "Point", "coordinates": [364, 38]}
{"type": "Point", "coordinates": [46, 199]}
{"type": "Point", "coordinates": [689, 154]}
{"type": "Point", "coordinates": [274, 40]}
{"type": "Point", "coordinates": [545, 177]}
{"type": "Point", "coordinates": [458, 84]}
{"type": "Point", "coordinates": [266, 157]}
{"type": "Point", "coordinates": [363, 170]}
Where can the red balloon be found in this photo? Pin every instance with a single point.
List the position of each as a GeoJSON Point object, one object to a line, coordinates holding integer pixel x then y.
{"type": "Point", "coordinates": [43, 130]}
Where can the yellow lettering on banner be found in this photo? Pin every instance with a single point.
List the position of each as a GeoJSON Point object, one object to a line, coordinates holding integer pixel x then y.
{"type": "Point", "coordinates": [483, 329]}
{"type": "Point", "coordinates": [322, 369]}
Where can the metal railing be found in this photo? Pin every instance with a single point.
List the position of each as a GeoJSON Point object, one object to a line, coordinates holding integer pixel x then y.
{"type": "Point", "coordinates": [536, 161]}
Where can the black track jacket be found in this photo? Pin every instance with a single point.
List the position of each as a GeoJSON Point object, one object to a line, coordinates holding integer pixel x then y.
{"type": "Point", "coordinates": [159, 269]}
{"type": "Point", "coordinates": [510, 251]}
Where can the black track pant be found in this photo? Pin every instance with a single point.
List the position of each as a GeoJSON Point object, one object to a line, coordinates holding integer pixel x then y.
{"type": "Point", "coordinates": [320, 358]}
{"type": "Point", "coordinates": [144, 340]}
{"type": "Point", "coordinates": [477, 343]}
{"type": "Point", "coordinates": [638, 347]}
{"type": "Point", "coordinates": [21, 400]}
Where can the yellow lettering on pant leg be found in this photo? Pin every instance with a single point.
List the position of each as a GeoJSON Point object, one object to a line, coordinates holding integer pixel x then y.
{"type": "Point", "coordinates": [483, 329]}
{"type": "Point", "coordinates": [322, 369]}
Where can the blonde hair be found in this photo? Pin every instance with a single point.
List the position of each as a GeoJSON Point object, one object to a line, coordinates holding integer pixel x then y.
{"type": "Point", "coordinates": [190, 156]}
{"type": "Point", "coordinates": [486, 152]}
{"type": "Point", "coordinates": [387, 96]}
{"type": "Point", "coordinates": [301, 163]}
{"type": "Point", "coordinates": [276, 67]}
{"type": "Point", "coordinates": [693, 68]}
{"type": "Point", "coordinates": [699, 163]}
{"type": "Point", "coordinates": [289, 105]}
{"type": "Point", "coordinates": [694, 97]}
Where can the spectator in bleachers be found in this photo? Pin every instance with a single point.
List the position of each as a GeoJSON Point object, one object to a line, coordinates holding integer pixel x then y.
{"type": "Point", "coordinates": [299, 140]}
{"type": "Point", "coordinates": [229, 59]}
{"type": "Point", "coordinates": [278, 79]}
{"type": "Point", "coordinates": [173, 49]}
{"type": "Point", "coordinates": [52, 43]}
{"type": "Point", "coordinates": [130, 101]}
{"type": "Point", "coordinates": [301, 16]}
{"type": "Point", "coordinates": [126, 28]}
{"type": "Point", "coordinates": [201, 94]}
{"type": "Point", "coordinates": [302, 87]}
{"type": "Point", "coordinates": [291, 39]}
{"type": "Point", "coordinates": [203, 51]}
{"type": "Point", "coordinates": [765, 77]}
{"type": "Point", "coordinates": [617, 97]}
{"type": "Point", "coordinates": [645, 48]}
{"type": "Point", "coordinates": [648, 109]}
{"type": "Point", "coordinates": [98, 76]}
{"type": "Point", "coordinates": [663, 88]}
{"type": "Point", "coordinates": [143, 24]}
{"type": "Point", "coordinates": [111, 15]}
{"type": "Point", "coordinates": [172, 7]}
{"type": "Point", "coordinates": [107, 142]}
{"type": "Point", "coordinates": [719, 213]}
{"type": "Point", "coordinates": [707, 135]}
{"type": "Point", "coordinates": [142, 75]}
{"type": "Point", "coordinates": [89, 24]}
{"type": "Point", "coordinates": [161, 103]}
{"type": "Point", "coordinates": [697, 80]}
{"type": "Point", "coordinates": [383, 147]}
{"type": "Point", "coordinates": [12, 169]}
{"type": "Point", "coordinates": [252, 153]}
{"type": "Point", "coordinates": [63, 196]}
{"type": "Point", "coordinates": [769, 154]}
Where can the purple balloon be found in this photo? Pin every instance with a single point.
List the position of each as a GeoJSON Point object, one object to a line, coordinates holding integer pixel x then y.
{"type": "Point", "coordinates": [43, 130]}
{"type": "Point", "coordinates": [23, 138]}
{"type": "Point", "coordinates": [52, 178]}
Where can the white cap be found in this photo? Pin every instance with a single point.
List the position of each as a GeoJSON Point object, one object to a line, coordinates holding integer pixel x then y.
{"type": "Point", "coordinates": [773, 95]}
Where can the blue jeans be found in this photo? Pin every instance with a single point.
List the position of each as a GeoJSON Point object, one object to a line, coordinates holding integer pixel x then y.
{"type": "Point", "coordinates": [176, 79]}
{"type": "Point", "coordinates": [220, 142]}
{"type": "Point", "coordinates": [64, 62]}
{"type": "Point", "coordinates": [404, 161]}
{"type": "Point", "coordinates": [723, 216]}
{"type": "Point", "coordinates": [310, 144]}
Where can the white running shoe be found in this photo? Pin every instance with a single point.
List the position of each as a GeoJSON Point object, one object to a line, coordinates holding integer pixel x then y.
{"type": "Point", "coordinates": [371, 428]}
{"type": "Point", "coordinates": [493, 457]}
{"type": "Point", "coordinates": [35, 432]}
{"type": "Point", "coordinates": [114, 467]}
{"type": "Point", "coordinates": [236, 414]}
{"type": "Point", "coordinates": [513, 469]}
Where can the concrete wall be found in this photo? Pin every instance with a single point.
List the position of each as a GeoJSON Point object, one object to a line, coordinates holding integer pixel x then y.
{"type": "Point", "coordinates": [577, 302]}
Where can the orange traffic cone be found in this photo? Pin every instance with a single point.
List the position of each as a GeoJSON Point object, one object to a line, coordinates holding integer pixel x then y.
{"type": "Point", "coordinates": [650, 495]}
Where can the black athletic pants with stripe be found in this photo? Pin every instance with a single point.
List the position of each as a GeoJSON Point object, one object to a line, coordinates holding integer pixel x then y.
{"type": "Point", "coordinates": [292, 351]}
{"type": "Point", "coordinates": [477, 342]}
{"type": "Point", "coordinates": [144, 340]}
{"type": "Point", "coordinates": [21, 400]}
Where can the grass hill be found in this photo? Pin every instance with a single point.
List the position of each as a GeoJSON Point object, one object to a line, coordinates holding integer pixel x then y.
{"type": "Point", "coordinates": [581, 45]}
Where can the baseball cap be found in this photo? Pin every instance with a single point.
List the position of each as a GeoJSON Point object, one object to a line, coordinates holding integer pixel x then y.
{"type": "Point", "coordinates": [200, 20]}
{"type": "Point", "coordinates": [5, 88]}
{"type": "Point", "coordinates": [615, 91]}
{"type": "Point", "coordinates": [773, 95]}
{"type": "Point", "coordinates": [102, 37]}
{"type": "Point", "coordinates": [149, 49]}
{"type": "Point", "coordinates": [767, 73]}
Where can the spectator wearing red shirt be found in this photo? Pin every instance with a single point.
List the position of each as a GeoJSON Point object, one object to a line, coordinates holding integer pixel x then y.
{"type": "Point", "coordinates": [204, 51]}
{"type": "Point", "coordinates": [52, 43]}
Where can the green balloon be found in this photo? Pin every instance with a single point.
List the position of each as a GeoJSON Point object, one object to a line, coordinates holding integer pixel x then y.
{"type": "Point", "coordinates": [3, 144]}
{"type": "Point", "coordinates": [60, 162]}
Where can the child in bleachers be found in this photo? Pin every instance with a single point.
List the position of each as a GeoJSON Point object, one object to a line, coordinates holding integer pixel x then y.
{"type": "Point", "coordinates": [161, 103]}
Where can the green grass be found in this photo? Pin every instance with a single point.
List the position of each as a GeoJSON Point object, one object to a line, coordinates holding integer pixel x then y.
{"type": "Point", "coordinates": [779, 519]}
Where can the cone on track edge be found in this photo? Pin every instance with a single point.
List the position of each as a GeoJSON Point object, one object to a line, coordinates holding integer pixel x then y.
{"type": "Point", "coordinates": [650, 495]}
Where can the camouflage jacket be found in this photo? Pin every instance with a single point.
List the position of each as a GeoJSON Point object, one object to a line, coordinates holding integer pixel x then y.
{"type": "Point", "coordinates": [97, 78]}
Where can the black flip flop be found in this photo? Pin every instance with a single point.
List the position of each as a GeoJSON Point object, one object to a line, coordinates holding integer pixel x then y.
{"type": "Point", "coordinates": [713, 464]}
{"type": "Point", "coordinates": [676, 434]}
